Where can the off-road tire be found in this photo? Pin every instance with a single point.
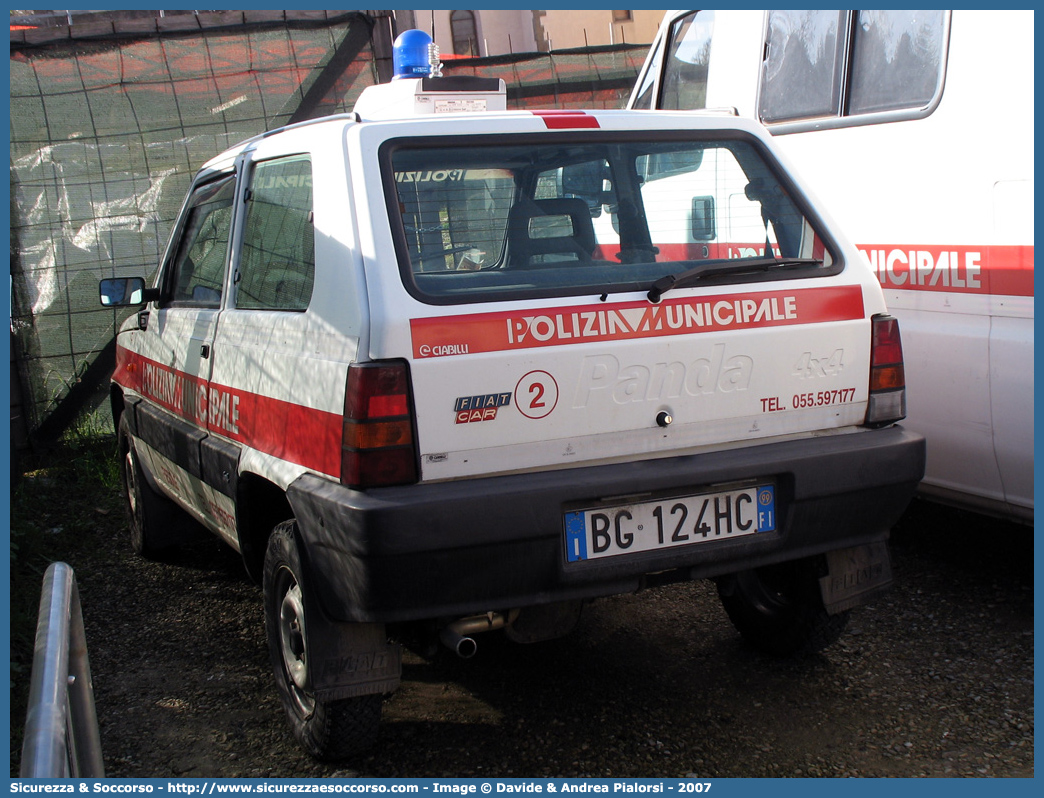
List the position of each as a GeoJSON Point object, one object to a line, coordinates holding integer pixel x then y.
{"type": "Point", "coordinates": [327, 730]}
{"type": "Point", "coordinates": [156, 523]}
{"type": "Point", "coordinates": [779, 609]}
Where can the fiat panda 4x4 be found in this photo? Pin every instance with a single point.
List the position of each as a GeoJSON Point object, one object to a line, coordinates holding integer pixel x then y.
{"type": "Point", "coordinates": [441, 365]}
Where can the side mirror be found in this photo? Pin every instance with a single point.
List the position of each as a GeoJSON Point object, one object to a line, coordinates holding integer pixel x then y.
{"type": "Point", "coordinates": [123, 292]}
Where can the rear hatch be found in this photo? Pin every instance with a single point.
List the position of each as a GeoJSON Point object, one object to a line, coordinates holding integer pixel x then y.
{"type": "Point", "coordinates": [601, 294]}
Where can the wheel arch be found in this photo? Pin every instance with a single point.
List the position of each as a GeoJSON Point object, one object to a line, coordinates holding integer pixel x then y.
{"type": "Point", "coordinates": [260, 506]}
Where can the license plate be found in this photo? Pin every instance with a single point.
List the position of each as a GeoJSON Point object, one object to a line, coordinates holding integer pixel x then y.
{"type": "Point", "coordinates": [668, 523]}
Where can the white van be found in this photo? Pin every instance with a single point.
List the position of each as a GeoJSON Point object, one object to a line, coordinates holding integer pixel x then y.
{"type": "Point", "coordinates": [915, 128]}
{"type": "Point", "coordinates": [437, 364]}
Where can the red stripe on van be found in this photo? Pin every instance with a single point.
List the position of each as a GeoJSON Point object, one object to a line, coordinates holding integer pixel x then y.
{"type": "Point", "coordinates": [998, 270]}
{"type": "Point", "coordinates": [576, 325]}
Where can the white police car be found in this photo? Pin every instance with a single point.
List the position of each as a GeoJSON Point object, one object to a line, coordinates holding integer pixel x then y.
{"type": "Point", "coordinates": [439, 362]}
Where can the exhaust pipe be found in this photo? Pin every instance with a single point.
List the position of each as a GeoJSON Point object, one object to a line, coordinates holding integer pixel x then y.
{"type": "Point", "coordinates": [463, 647]}
{"type": "Point", "coordinates": [456, 636]}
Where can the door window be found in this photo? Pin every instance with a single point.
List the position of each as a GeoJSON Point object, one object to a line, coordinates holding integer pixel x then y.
{"type": "Point", "coordinates": [198, 272]}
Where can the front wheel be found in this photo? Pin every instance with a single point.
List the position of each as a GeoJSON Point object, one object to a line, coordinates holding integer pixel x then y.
{"type": "Point", "coordinates": [327, 730]}
{"type": "Point", "coordinates": [779, 608]}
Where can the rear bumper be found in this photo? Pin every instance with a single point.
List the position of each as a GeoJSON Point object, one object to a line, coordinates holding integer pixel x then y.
{"type": "Point", "coordinates": [478, 545]}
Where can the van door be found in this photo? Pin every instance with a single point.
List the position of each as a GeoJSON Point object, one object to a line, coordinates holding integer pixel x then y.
{"type": "Point", "coordinates": [1011, 341]}
{"type": "Point", "coordinates": [174, 365]}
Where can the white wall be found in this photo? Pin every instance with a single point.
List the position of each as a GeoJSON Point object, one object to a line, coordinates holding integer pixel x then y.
{"type": "Point", "coordinates": [565, 28]}
{"type": "Point", "coordinates": [526, 31]}
{"type": "Point", "coordinates": [499, 32]}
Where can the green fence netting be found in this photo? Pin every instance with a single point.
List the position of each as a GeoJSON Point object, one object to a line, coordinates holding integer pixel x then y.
{"type": "Point", "coordinates": [108, 123]}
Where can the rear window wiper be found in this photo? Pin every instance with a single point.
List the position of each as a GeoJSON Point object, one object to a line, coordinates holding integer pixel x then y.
{"type": "Point", "coordinates": [738, 266]}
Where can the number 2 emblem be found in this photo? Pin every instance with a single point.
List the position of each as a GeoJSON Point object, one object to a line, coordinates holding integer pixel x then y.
{"type": "Point", "coordinates": [536, 394]}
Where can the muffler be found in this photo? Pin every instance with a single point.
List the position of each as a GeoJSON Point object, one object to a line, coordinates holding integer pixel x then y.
{"type": "Point", "coordinates": [456, 636]}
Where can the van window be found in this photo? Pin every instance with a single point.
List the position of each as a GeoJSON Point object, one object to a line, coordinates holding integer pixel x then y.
{"type": "Point", "coordinates": [198, 271]}
{"type": "Point", "coordinates": [277, 263]}
{"type": "Point", "coordinates": [688, 59]}
{"type": "Point", "coordinates": [801, 74]}
{"type": "Point", "coordinates": [485, 221]}
{"type": "Point", "coordinates": [897, 60]}
{"type": "Point", "coordinates": [644, 93]}
{"type": "Point", "coordinates": [849, 63]}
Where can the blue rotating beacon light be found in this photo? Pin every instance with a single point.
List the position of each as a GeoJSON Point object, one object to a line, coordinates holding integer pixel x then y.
{"type": "Point", "coordinates": [412, 55]}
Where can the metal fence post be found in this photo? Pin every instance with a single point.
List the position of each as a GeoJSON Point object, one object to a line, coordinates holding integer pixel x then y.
{"type": "Point", "coordinates": [61, 726]}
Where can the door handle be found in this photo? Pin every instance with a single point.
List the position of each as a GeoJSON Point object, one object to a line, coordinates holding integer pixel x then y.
{"type": "Point", "coordinates": [204, 351]}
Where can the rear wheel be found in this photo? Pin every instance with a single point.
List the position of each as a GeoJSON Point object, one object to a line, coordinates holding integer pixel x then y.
{"type": "Point", "coordinates": [154, 519]}
{"type": "Point", "coordinates": [779, 609]}
{"type": "Point", "coordinates": [328, 730]}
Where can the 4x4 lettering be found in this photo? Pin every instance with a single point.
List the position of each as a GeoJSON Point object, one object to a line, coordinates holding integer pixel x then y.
{"type": "Point", "coordinates": [809, 367]}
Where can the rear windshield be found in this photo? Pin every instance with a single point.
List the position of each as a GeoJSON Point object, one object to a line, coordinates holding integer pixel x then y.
{"type": "Point", "coordinates": [491, 219]}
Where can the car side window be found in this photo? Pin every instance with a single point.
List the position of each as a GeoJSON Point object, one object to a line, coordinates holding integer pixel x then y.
{"type": "Point", "coordinates": [277, 264]}
{"type": "Point", "coordinates": [198, 271]}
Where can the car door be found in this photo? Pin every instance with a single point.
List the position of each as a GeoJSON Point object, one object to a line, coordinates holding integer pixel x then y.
{"type": "Point", "coordinates": [270, 390]}
{"type": "Point", "coordinates": [176, 349]}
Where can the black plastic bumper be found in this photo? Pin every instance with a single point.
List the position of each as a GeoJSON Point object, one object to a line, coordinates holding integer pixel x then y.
{"type": "Point", "coordinates": [477, 545]}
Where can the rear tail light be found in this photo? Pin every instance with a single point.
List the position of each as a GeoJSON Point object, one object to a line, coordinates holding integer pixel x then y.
{"type": "Point", "coordinates": [887, 376]}
{"type": "Point", "coordinates": [377, 447]}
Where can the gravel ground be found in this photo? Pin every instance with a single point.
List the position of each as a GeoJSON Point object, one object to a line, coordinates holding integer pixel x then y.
{"type": "Point", "coordinates": [934, 679]}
